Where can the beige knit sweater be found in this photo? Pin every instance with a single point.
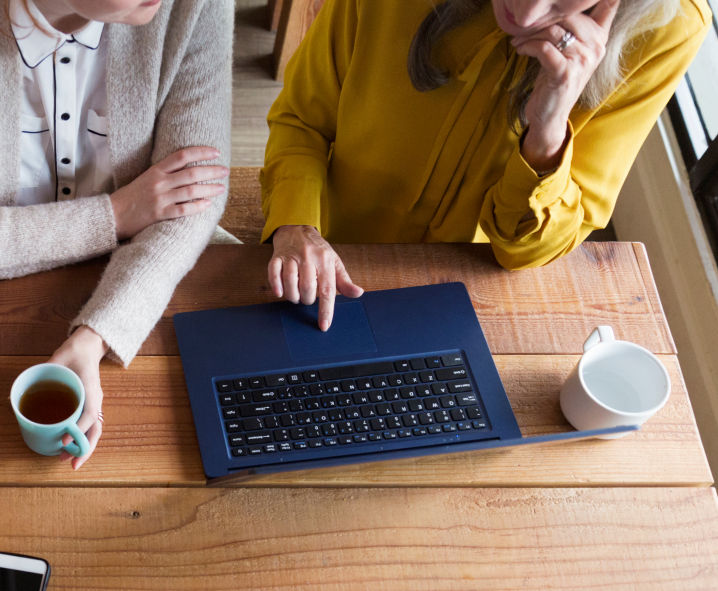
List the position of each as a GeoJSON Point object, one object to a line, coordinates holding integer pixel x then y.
{"type": "Point", "coordinates": [168, 87]}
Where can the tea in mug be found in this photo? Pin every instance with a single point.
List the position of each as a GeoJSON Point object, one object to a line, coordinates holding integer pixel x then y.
{"type": "Point", "coordinates": [48, 402]}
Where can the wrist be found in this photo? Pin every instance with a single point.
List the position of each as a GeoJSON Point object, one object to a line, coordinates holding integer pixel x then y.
{"type": "Point", "coordinates": [288, 230]}
{"type": "Point", "coordinates": [543, 149]}
{"type": "Point", "coordinates": [88, 342]}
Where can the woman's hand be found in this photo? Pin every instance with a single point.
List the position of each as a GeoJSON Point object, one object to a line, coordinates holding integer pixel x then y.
{"type": "Point", "coordinates": [82, 353]}
{"type": "Point", "coordinates": [167, 190]}
{"type": "Point", "coordinates": [562, 78]}
{"type": "Point", "coordinates": [304, 265]}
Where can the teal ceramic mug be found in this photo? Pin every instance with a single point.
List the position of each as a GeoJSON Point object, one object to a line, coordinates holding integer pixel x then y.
{"type": "Point", "coordinates": [46, 437]}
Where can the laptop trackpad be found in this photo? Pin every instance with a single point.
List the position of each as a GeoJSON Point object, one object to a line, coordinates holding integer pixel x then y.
{"type": "Point", "coordinates": [349, 334]}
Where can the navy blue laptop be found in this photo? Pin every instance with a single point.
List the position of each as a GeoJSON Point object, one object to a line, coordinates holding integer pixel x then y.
{"type": "Point", "coordinates": [400, 373]}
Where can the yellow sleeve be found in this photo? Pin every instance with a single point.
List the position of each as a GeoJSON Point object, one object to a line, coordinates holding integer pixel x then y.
{"type": "Point", "coordinates": [580, 195]}
{"type": "Point", "coordinates": [302, 121]}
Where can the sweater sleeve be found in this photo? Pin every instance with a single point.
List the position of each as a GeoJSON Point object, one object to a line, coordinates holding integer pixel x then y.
{"type": "Point", "coordinates": [142, 274]}
{"type": "Point", "coordinates": [40, 237]}
{"type": "Point", "coordinates": [303, 119]}
{"type": "Point", "coordinates": [580, 195]}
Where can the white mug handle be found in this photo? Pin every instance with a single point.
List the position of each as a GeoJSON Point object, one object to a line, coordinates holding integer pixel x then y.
{"type": "Point", "coordinates": [599, 335]}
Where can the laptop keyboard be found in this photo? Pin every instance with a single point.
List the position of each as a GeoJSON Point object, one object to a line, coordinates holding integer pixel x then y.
{"type": "Point", "coordinates": [350, 408]}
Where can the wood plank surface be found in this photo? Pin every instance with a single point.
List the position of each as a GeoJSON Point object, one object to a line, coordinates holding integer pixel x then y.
{"type": "Point", "coordinates": [149, 439]}
{"type": "Point", "coordinates": [294, 22]}
{"type": "Point", "coordinates": [549, 310]}
{"type": "Point", "coordinates": [389, 539]}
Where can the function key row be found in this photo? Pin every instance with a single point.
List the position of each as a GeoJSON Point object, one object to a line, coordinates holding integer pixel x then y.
{"type": "Point", "coordinates": [441, 363]}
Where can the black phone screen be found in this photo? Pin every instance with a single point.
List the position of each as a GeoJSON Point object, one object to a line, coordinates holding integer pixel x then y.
{"type": "Point", "coordinates": [18, 580]}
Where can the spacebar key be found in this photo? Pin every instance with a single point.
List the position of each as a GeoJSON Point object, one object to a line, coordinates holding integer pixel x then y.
{"type": "Point", "coordinates": [355, 371]}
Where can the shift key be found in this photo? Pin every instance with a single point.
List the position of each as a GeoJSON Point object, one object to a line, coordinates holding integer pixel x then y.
{"type": "Point", "coordinates": [467, 399]}
{"type": "Point", "coordinates": [254, 410]}
{"type": "Point", "coordinates": [458, 386]}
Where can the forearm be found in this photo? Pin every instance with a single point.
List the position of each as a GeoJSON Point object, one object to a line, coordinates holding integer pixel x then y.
{"type": "Point", "coordinates": [40, 237]}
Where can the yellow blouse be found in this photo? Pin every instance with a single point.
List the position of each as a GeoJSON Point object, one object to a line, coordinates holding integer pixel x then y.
{"type": "Point", "coordinates": [357, 152]}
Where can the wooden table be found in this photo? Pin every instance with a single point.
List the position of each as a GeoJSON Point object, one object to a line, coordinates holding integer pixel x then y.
{"type": "Point", "coordinates": [634, 513]}
{"type": "Point", "coordinates": [291, 19]}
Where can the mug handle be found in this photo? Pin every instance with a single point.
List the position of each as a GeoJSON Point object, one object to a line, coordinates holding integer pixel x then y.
{"type": "Point", "coordinates": [600, 334]}
{"type": "Point", "coordinates": [80, 446]}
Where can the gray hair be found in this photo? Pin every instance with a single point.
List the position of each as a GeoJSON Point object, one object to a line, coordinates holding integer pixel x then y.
{"type": "Point", "coordinates": [633, 19]}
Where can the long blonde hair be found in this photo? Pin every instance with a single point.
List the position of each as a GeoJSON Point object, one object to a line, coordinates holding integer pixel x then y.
{"type": "Point", "coordinates": [633, 19]}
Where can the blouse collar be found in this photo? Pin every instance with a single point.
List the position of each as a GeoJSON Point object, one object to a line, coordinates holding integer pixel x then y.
{"type": "Point", "coordinates": [37, 39]}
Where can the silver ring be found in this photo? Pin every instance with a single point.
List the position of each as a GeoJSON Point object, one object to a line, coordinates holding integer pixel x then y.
{"type": "Point", "coordinates": [100, 416]}
{"type": "Point", "coordinates": [567, 39]}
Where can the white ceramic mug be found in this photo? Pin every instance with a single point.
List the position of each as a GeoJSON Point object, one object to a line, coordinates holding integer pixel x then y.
{"type": "Point", "coordinates": [615, 383]}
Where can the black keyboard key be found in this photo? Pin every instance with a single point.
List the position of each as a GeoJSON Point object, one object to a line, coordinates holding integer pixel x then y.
{"type": "Point", "coordinates": [449, 427]}
{"type": "Point", "coordinates": [407, 392]}
{"type": "Point", "coordinates": [419, 431]}
{"type": "Point", "coordinates": [473, 412]}
{"type": "Point", "coordinates": [345, 427]}
{"type": "Point", "coordinates": [300, 445]}
{"type": "Point", "coordinates": [233, 426]}
{"type": "Point", "coordinates": [432, 362]}
{"type": "Point", "coordinates": [286, 446]}
{"type": "Point", "coordinates": [367, 411]}
{"type": "Point", "coordinates": [330, 430]}
{"type": "Point", "coordinates": [410, 420]}
{"type": "Point", "coordinates": [352, 413]}
{"type": "Point", "coordinates": [417, 363]}
{"type": "Point", "coordinates": [461, 386]}
{"type": "Point", "coordinates": [410, 379]}
{"type": "Point", "coordinates": [364, 384]}
{"type": "Point", "coordinates": [432, 404]}
{"type": "Point", "coordinates": [276, 380]}
{"type": "Point", "coordinates": [380, 382]}
{"type": "Point", "coordinates": [360, 397]}
{"type": "Point", "coordinates": [463, 426]}
{"type": "Point", "coordinates": [226, 399]}
{"type": "Point", "coordinates": [383, 409]}
{"type": "Point", "coordinates": [294, 378]}
{"type": "Point", "coordinates": [389, 434]}
{"type": "Point", "coordinates": [404, 433]}
{"type": "Point", "coordinates": [303, 418]}
{"type": "Point", "coordinates": [336, 414]}
{"type": "Point", "coordinates": [311, 376]}
{"type": "Point", "coordinates": [287, 421]}
{"type": "Point", "coordinates": [415, 405]}
{"type": "Point", "coordinates": [395, 380]}
{"type": "Point", "coordinates": [256, 382]}
{"type": "Point", "coordinates": [458, 414]}
{"type": "Point", "coordinates": [450, 373]}
{"type": "Point", "coordinates": [344, 400]}
{"type": "Point", "coordinates": [448, 401]}
{"type": "Point", "coordinates": [426, 418]}
{"type": "Point", "coordinates": [252, 424]}
{"type": "Point", "coordinates": [243, 397]}
{"type": "Point", "coordinates": [400, 407]}
{"type": "Point", "coordinates": [345, 439]}
{"type": "Point", "coordinates": [240, 384]}
{"type": "Point", "coordinates": [438, 388]}
{"type": "Point", "coordinates": [374, 436]}
{"type": "Point", "coordinates": [442, 416]}
{"type": "Point", "coordinates": [328, 401]}
{"type": "Point", "coordinates": [297, 433]}
{"type": "Point", "coordinates": [258, 437]}
{"type": "Point", "coordinates": [315, 443]}
{"type": "Point", "coordinates": [254, 450]}
{"type": "Point", "coordinates": [434, 429]}
{"type": "Point", "coordinates": [282, 435]}
{"type": "Point", "coordinates": [254, 410]}
{"type": "Point", "coordinates": [361, 426]}
{"type": "Point", "coordinates": [452, 359]}
{"type": "Point", "coordinates": [393, 422]}
{"type": "Point", "coordinates": [296, 405]}
{"type": "Point", "coordinates": [468, 399]}
{"type": "Point", "coordinates": [239, 452]}
{"type": "Point", "coordinates": [479, 424]}
{"type": "Point", "coordinates": [311, 404]}
{"type": "Point", "coordinates": [332, 388]}
{"type": "Point", "coordinates": [281, 407]}
{"type": "Point", "coordinates": [391, 394]}
{"type": "Point", "coordinates": [270, 448]}
{"type": "Point", "coordinates": [321, 416]}
{"type": "Point", "coordinates": [236, 440]}
{"type": "Point", "coordinates": [230, 412]}
{"type": "Point", "coordinates": [402, 365]}
{"type": "Point", "coordinates": [316, 389]}
{"type": "Point", "coordinates": [376, 396]}
{"type": "Point", "coordinates": [427, 377]}
{"type": "Point", "coordinates": [300, 391]}
{"type": "Point", "coordinates": [271, 422]}
{"type": "Point", "coordinates": [378, 424]}
{"type": "Point", "coordinates": [348, 385]}
{"type": "Point", "coordinates": [224, 386]}
{"type": "Point", "coordinates": [360, 438]}
{"type": "Point", "coordinates": [313, 431]}
{"type": "Point", "coordinates": [263, 395]}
